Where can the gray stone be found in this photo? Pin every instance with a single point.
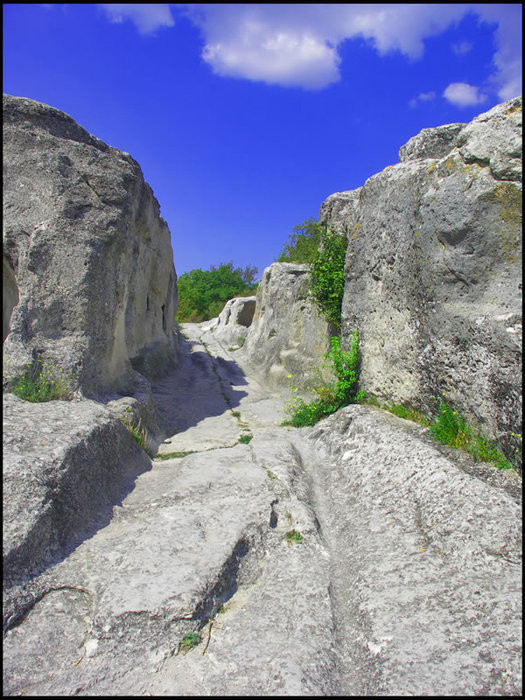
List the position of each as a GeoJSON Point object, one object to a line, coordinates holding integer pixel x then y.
{"type": "Point", "coordinates": [407, 579]}
{"type": "Point", "coordinates": [288, 336]}
{"type": "Point", "coordinates": [431, 143]}
{"type": "Point", "coordinates": [233, 322]}
{"type": "Point", "coordinates": [65, 465]}
{"type": "Point", "coordinates": [433, 274]}
{"type": "Point", "coordinates": [425, 562]}
{"type": "Point", "coordinates": [339, 211]}
{"type": "Point", "coordinates": [89, 253]}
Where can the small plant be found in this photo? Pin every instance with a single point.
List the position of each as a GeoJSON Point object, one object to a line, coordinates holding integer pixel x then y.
{"type": "Point", "coordinates": [173, 455]}
{"type": "Point", "coordinates": [449, 427]}
{"type": "Point", "coordinates": [42, 382]}
{"type": "Point", "coordinates": [236, 414]}
{"type": "Point", "coordinates": [342, 393]}
{"type": "Point", "coordinates": [245, 439]}
{"type": "Point", "coordinates": [294, 536]}
{"type": "Point", "coordinates": [189, 641]}
{"type": "Point", "coordinates": [407, 413]}
{"type": "Point", "coordinates": [327, 275]}
{"type": "Point", "coordinates": [138, 431]}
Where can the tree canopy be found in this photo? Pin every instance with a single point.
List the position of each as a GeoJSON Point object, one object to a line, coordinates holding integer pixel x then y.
{"type": "Point", "coordinates": [303, 245]}
{"type": "Point", "coordinates": [203, 293]}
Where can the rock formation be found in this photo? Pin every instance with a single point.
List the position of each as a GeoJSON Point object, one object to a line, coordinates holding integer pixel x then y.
{"type": "Point", "coordinates": [352, 558]}
{"type": "Point", "coordinates": [233, 322]}
{"type": "Point", "coordinates": [357, 557]}
{"type": "Point", "coordinates": [433, 272]}
{"type": "Point", "coordinates": [90, 285]}
{"type": "Point", "coordinates": [288, 335]}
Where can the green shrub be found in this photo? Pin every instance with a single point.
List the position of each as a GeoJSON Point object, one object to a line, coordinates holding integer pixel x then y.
{"type": "Point", "coordinates": [327, 276]}
{"type": "Point", "coordinates": [202, 294]}
{"type": "Point", "coordinates": [449, 427]}
{"type": "Point", "coordinates": [303, 245]}
{"type": "Point", "coordinates": [334, 397]}
{"type": "Point", "coordinates": [245, 439]}
{"type": "Point", "coordinates": [43, 382]}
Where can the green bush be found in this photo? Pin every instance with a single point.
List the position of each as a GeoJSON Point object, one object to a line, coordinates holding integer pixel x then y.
{"type": "Point", "coordinates": [332, 398]}
{"type": "Point", "coordinates": [327, 276]}
{"type": "Point", "coordinates": [449, 427]}
{"type": "Point", "coordinates": [42, 382]}
{"type": "Point", "coordinates": [303, 245]}
{"type": "Point", "coordinates": [203, 293]}
{"type": "Point", "coordinates": [325, 253]}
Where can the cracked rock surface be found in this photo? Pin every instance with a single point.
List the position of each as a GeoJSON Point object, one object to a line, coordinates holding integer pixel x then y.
{"type": "Point", "coordinates": [405, 579]}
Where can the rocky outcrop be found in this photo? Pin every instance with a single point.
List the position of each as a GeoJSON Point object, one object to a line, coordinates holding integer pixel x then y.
{"type": "Point", "coordinates": [91, 286]}
{"type": "Point", "coordinates": [66, 464]}
{"type": "Point", "coordinates": [433, 272]}
{"type": "Point", "coordinates": [426, 556]}
{"type": "Point", "coordinates": [233, 322]}
{"type": "Point", "coordinates": [288, 336]}
{"type": "Point", "coordinates": [352, 558]}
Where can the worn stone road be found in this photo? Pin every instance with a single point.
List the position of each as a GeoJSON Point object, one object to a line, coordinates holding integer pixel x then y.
{"type": "Point", "coordinates": [353, 558]}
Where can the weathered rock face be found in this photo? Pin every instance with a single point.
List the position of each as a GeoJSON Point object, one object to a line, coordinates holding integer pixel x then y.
{"type": "Point", "coordinates": [91, 281]}
{"type": "Point", "coordinates": [65, 465]}
{"type": "Point", "coordinates": [405, 577]}
{"type": "Point", "coordinates": [287, 336]}
{"type": "Point", "coordinates": [232, 324]}
{"type": "Point", "coordinates": [433, 271]}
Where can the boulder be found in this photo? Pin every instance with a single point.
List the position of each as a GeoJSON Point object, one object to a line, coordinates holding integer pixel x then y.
{"type": "Point", "coordinates": [234, 320]}
{"type": "Point", "coordinates": [91, 286]}
{"type": "Point", "coordinates": [288, 336]}
{"type": "Point", "coordinates": [433, 272]}
{"type": "Point", "coordinates": [66, 464]}
{"type": "Point", "coordinates": [426, 559]}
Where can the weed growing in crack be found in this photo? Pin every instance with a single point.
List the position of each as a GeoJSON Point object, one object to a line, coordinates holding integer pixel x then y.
{"type": "Point", "coordinates": [189, 641]}
{"type": "Point", "coordinates": [331, 399]}
{"type": "Point", "coordinates": [449, 427]}
{"type": "Point", "coordinates": [138, 431]}
{"type": "Point", "coordinates": [43, 382]}
{"type": "Point", "coordinates": [173, 455]}
{"type": "Point", "coordinates": [245, 439]}
{"type": "Point", "coordinates": [294, 536]}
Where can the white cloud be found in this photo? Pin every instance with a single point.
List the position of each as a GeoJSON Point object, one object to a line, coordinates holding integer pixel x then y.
{"type": "Point", "coordinates": [508, 40]}
{"type": "Point", "coordinates": [282, 57]}
{"type": "Point", "coordinates": [422, 97]}
{"type": "Point", "coordinates": [297, 44]}
{"type": "Point", "coordinates": [147, 18]}
{"type": "Point", "coordinates": [463, 95]}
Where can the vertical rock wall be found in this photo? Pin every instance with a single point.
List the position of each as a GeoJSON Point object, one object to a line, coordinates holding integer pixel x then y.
{"type": "Point", "coordinates": [92, 286]}
{"type": "Point", "coordinates": [433, 271]}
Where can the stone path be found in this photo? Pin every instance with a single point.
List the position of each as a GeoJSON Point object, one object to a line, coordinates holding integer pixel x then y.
{"type": "Point", "coordinates": [406, 571]}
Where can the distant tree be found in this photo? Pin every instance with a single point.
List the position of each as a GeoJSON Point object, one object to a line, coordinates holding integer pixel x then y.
{"type": "Point", "coordinates": [303, 245]}
{"type": "Point", "coordinates": [203, 293]}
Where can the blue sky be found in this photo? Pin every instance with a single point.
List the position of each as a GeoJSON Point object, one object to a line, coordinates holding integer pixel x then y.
{"type": "Point", "coordinates": [245, 117]}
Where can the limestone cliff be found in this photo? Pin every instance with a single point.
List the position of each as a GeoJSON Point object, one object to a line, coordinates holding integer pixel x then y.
{"type": "Point", "coordinates": [433, 271]}
{"type": "Point", "coordinates": [287, 336]}
{"type": "Point", "coordinates": [90, 284]}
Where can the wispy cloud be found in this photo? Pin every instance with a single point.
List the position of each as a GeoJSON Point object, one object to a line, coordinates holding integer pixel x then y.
{"type": "Point", "coordinates": [297, 44]}
{"type": "Point", "coordinates": [422, 97]}
{"type": "Point", "coordinates": [462, 48]}
{"type": "Point", "coordinates": [147, 18]}
{"type": "Point", "coordinates": [464, 95]}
